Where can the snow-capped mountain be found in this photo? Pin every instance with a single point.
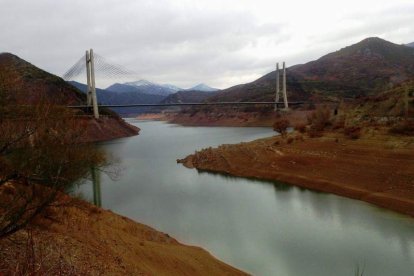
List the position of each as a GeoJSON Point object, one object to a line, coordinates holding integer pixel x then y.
{"type": "Point", "coordinates": [142, 86]}
{"type": "Point", "coordinates": [140, 83]}
{"type": "Point", "coordinates": [203, 87]}
{"type": "Point", "coordinates": [172, 87]}
{"type": "Point", "coordinates": [152, 88]}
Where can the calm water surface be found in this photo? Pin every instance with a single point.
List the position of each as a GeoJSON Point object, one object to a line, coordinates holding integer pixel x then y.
{"type": "Point", "coordinates": [263, 228]}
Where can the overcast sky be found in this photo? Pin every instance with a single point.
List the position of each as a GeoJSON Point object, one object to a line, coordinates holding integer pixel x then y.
{"type": "Point", "coordinates": [185, 42]}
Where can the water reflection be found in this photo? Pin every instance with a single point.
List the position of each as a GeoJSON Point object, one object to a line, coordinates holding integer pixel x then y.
{"type": "Point", "coordinates": [96, 184]}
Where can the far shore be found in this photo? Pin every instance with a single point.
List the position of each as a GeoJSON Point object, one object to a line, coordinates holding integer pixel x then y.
{"type": "Point", "coordinates": [378, 169]}
{"type": "Point", "coordinates": [226, 118]}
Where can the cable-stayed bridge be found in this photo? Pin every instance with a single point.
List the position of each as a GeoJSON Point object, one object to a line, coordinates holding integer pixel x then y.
{"type": "Point", "coordinates": [91, 63]}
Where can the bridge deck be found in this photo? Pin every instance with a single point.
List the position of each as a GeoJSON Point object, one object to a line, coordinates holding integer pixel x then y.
{"type": "Point", "coordinates": [189, 104]}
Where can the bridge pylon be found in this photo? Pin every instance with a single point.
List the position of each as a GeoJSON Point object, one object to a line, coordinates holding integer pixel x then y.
{"type": "Point", "coordinates": [90, 80]}
{"type": "Point", "coordinates": [277, 97]}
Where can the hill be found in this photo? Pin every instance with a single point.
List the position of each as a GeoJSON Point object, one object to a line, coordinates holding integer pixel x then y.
{"type": "Point", "coordinates": [22, 83]}
{"type": "Point", "coordinates": [364, 68]}
{"type": "Point", "coordinates": [390, 105]}
{"type": "Point", "coordinates": [410, 44]}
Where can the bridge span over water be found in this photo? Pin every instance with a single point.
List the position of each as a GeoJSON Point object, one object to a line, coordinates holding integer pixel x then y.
{"type": "Point", "coordinates": [87, 63]}
{"type": "Point", "coordinates": [187, 104]}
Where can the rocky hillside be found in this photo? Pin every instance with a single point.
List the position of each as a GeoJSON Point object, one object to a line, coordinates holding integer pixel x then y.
{"type": "Point", "coordinates": [364, 68]}
{"type": "Point", "coordinates": [22, 83]}
{"type": "Point", "coordinates": [395, 103]}
{"type": "Point", "coordinates": [27, 84]}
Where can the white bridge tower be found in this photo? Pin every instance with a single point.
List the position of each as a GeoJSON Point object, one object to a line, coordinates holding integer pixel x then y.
{"type": "Point", "coordinates": [278, 87]}
{"type": "Point", "coordinates": [90, 80]}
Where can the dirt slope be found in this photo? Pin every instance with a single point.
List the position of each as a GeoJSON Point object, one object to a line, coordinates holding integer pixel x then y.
{"type": "Point", "coordinates": [85, 240]}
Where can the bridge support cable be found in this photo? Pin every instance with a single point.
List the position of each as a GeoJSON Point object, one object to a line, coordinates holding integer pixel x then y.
{"type": "Point", "coordinates": [96, 65]}
{"type": "Point", "coordinates": [77, 69]}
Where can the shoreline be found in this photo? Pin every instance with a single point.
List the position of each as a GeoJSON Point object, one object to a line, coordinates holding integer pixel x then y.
{"type": "Point", "coordinates": [354, 169]}
{"type": "Point", "coordinates": [227, 119]}
{"type": "Point", "coordinates": [88, 240]}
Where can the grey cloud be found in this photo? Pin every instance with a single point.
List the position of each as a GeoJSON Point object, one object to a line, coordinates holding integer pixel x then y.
{"type": "Point", "coordinates": [163, 40]}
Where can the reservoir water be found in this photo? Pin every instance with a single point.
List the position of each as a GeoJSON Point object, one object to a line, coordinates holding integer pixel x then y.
{"type": "Point", "coordinates": [263, 228]}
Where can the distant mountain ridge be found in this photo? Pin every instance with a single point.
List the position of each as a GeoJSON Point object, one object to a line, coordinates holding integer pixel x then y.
{"type": "Point", "coordinates": [142, 86]}
{"type": "Point", "coordinates": [203, 88]}
{"type": "Point", "coordinates": [108, 97]}
{"type": "Point", "coordinates": [148, 87]}
{"type": "Point", "coordinates": [410, 44]}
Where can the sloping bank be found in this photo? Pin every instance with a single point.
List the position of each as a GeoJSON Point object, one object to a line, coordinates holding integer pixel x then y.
{"type": "Point", "coordinates": [82, 239]}
{"type": "Point", "coordinates": [107, 128]}
{"type": "Point", "coordinates": [378, 170]}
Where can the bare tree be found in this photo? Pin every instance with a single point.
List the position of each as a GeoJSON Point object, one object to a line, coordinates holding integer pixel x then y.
{"type": "Point", "coordinates": [41, 154]}
{"type": "Point", "coordinates": [281, 126]}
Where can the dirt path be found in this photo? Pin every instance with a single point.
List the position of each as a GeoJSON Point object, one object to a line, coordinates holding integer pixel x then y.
{"type": "Point", "coordinates": [379, 171]}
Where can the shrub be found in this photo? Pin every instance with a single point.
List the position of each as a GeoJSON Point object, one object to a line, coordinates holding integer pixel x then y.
{"type": "Point", "coordinates": [301, 127]}
{"type": "Point", "coordinates": [281, 125]}
{"type": "Point", "coordinates": [320, 118]}
{"type": "Point", "coordinates": [313, 133]}
{"type": "Point", "coordinates": [338, 124]}
{"type": "Point", "coordinates": [299, 138]}
{"type": "Point", "coordinates": [405, 127]}
{"type": "Point", "coordinates": [352, 132]}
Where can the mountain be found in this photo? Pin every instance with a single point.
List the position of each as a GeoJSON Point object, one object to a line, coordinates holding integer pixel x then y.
{"type": "Point", "coordinates": [105, 96]}
{"type": "Point", "coordinates": [202, 87]}
{"type": "Point", "coordinates": [119, 87]}
{"type": "Point", "coordinates": [148, 87]}
{"type": "Point", "coordinates": [142, 86]}
{"type": "Point", "coordinates": [410, 44]}
{"type": "Point", "coordinates": [172, 87]}
{"type": "Point", "coordinates": [364, 68]}
{"type": "Point", "coordinates": [188, 97]}
{"type": "Point", "coordinates": [369, 65]}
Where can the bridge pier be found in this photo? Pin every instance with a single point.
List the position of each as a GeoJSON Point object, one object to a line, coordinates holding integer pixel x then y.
{"type": "Point", "coordinates": [277, 97]}
{"type": "Point", "coordinates": [90, 76]}
{"type": "Point", "coordinates": [277, 85]}
{"type": "Point", "coordinates": [284, 87]}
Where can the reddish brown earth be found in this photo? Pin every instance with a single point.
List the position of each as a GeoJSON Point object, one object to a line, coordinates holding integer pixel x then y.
{"type": "Point", "coordinates": [81, 239]}
{"type": "Point", "coordinates": [226, 118]}
{"type": "Point", "coordinates": [107, 128]}
{"type": "Point", "coordinates": [376, 168]}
